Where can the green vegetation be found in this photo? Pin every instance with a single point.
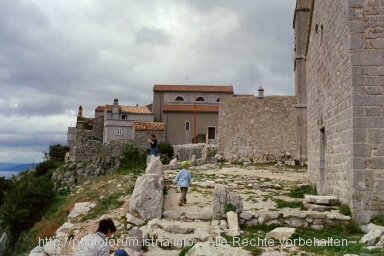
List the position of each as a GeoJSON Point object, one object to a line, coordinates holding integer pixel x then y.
{"type": "Point", "coordinates": [299, 192]}
{"type": "Point", "coordinates": [103, 205]}
{"type": "Point", "coordinates": [185, 250]}
{"type": "Point", "coordinates": [345, 240]}
{"type": "Point", "coordinates": [285, 204]}
{"type": "Point", "coordinates": [165, 150]}
{"type": "Point", "coordinates": [132, 159]}
{"type": "Point", "coordinates": [229, 207]}
{"type": "Point", "coordinates": [344, 209]}
{"type": "Point", "coordinates": [378, 219]}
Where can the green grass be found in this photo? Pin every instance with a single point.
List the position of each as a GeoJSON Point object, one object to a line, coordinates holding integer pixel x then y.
{"type": "Point", "coordinates": [378, 220]}
{"type": "Point", "coordinates": [285, 204]}
{"type": "Point", "coordinates": [347, 235]}
{"type": "Point", "coordinates": [345, 210]}
{"type": "Point", "coordinates": [104, 205]}
{"type": "Point", "coordinates": [299, 192]}
{"type": "Point", "coordinates": [350, 232]}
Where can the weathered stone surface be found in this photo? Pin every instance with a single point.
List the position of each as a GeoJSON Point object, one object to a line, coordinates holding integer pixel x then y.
{"type": "Point", "coordinates": [154, 166]}
{"type": "Point", "coordinates": [247, 215]}
{"type": "Point", "coordinates": [80, 209]}
{"type": "Point", "coordinates": [282, 233]}
{"type": "Point", "coordinates": [178, 228]}
{"type": "Point", "coordinates": [233, 224]}
{"type": "Point", "coordinates": [314, 207]}
{"type": "Point", "coordinates": [198, 215]}
{"type": "Point", "coordinates": [132, 219]}
{"type": "Point", "coordinates": [223, 224]}
{"type": "Point", "coordinates": [372, 237]}
{"type": "Point", "coordinates": [172, 215]}
{"type": "Point", "coordinates": [323, 200]}
{"type": "Point", "coordinates": [201, 235]}
{"type": "Point", "coordinates": [222, 199]}
{"type": "Point", "coordinates": [52, 247]}
{"type": "Point", "coordinates": [135, 236]}
{"type": "Point", "coordinates": [206, 248]}
{"type": "Point", "coordinates": [147, 196]}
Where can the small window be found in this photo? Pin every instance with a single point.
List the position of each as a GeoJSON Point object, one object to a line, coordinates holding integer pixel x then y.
{"type": "Point", "coordinates": [187, 125]}
{"type": "Point", "coordinates": [218, 100]}
{"type": "Point", "coordinates": [179, 98]}
{"type": "Point", "coordinates": [200, 99]}
{"type": "Point", "coordinates": [119, 131]}
{"type": "Point", "coordinates": [124, 117]}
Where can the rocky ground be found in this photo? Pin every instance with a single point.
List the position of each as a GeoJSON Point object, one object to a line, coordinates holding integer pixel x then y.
{"type": "Point", "coordinates": [258, 185]}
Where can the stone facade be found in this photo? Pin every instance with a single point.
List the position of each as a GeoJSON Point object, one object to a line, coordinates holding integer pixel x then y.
{"type": "Point", "coordinates": [253, 128]}
{"type": "Point", "coordinates": [345, 93]}
{"type": "Point", "coordinates": [189, 111]}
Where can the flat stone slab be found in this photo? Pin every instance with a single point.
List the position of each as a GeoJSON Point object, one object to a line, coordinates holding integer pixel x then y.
{"type": "Point", "coordinates": [324, 200]}
{"type": "Point", "coordinates": [280, 233]}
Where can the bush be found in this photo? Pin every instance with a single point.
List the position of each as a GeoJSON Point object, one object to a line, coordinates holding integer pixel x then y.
{"type": "Point", "coordinates": [132, 158]}
{"type": "Point", "coordinates": [45, 168]}
{"type": "Point", "coordinates": [345, 210]}
{"type": "Point", "coordinates": [299, 192]}
{"type": "Point", "coordinates": [165, 150]}
{"type": "Point", "coordinates": [26, 202]}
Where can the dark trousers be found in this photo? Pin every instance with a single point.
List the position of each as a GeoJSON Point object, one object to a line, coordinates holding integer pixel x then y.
{"type": "Point", "coordinates": [183, 197]}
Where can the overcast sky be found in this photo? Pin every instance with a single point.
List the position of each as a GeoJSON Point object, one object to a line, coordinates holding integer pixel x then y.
{"type": "Point", "coordinates": [57, 55]}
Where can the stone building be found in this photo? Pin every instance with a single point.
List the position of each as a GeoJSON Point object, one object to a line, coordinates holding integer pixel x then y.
{"type": "Point", "coordinates": [189, 111]}
{"type": "Point", "coordinates": [257, 128]}
{"type": "Point", "coordinates": [119, 119]}
{"type": "Point", "coordinates": [342, 48]}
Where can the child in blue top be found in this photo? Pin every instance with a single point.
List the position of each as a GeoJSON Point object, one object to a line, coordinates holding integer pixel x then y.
{"type": "Point", "coordinates": [183, 180]}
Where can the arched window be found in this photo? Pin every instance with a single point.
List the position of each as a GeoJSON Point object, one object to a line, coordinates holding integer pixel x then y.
{"type": "Point", "coordinates": [187, 125]}
{"type": "Point", "coordinates": [218, 100]}
{"type": "Point", "coordinates": [200, 99]}
{"type": "Point", "coordinates": [179, 98]}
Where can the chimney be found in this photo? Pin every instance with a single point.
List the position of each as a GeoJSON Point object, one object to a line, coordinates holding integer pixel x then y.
{"type": "Point", "coordinates": [115, 108]}
{"type": "Point", "coordinates": [261, 93]}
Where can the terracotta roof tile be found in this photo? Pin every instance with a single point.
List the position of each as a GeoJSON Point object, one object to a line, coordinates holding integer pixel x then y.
{"type": "Point", "coordinates": [126, 109]}
{"type": "Point", "coordinates": [190, 108]}
{"type": "Point", "coordinates": [148, 126]}
{"type": "Point", "coordinates": [193, 88]}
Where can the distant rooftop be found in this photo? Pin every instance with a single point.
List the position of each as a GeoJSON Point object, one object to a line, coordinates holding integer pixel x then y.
{"type": "Point", "coordinates": [148, 126]}
{"type": "Point", "coordinates": [126, 109]}
{"type": "Point", "coordinates": [192, 88]}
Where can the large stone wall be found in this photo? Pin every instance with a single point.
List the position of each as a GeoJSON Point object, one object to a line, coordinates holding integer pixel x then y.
{"type": "Point", "coordinates": [250, 128]}
{"type": "Point", "coordinates": [345, 84]}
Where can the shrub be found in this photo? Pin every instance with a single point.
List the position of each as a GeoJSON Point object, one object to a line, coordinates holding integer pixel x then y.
{"type": "Point", "coordinates": [229, 207]}
{"type": "Point", "coordinates": [299, 192]}
{"type": "Point", "coordinates": [344, 209]}
{"type": "Point", "coordinates": [165, 150]}
{"type": "Point", "coordinates": [133, 158]}
{"type": "Point", "coordinates": [26, 202]}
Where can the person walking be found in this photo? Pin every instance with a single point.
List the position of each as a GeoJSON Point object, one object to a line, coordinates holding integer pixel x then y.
{"type": "Point", "coordinates": [183, 179]}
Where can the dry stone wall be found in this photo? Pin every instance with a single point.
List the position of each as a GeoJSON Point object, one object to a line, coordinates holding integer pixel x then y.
{"type": "Point", "coordinates": [257, 129]}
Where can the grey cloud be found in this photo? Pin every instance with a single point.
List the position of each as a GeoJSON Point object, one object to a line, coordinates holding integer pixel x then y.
{"type": "Point", "coordinates": [153, 36]}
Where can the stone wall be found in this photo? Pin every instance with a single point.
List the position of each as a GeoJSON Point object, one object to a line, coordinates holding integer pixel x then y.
{"type": "Point", "coordinates": [250, 128]}
{"type": "Point", "coordinates": [345, 86]}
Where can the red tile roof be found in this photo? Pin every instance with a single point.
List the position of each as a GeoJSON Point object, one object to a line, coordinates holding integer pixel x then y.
{"type": "Point", "coordinates": [148, 126]}
{"type": "Point", "coordinates": [192, 88]}
{"type": "Point", "coordinates": [126, 109]}
{"type": "Point", "coordinates": [190, 108]}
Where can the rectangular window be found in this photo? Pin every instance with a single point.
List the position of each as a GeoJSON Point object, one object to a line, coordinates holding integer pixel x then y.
{"type": "Point", "coordinates": [124, 117]}
{"type": "Point", "coordinates": [119, 131]}
{"type": "Point", "coordinates": [211, 133]}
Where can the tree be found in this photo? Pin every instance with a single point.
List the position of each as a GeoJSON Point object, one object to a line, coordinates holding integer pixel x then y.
{"type": "Point", "coordinates": [57, 152]}
{"type": "Point", "coordinates": [26, 202]}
